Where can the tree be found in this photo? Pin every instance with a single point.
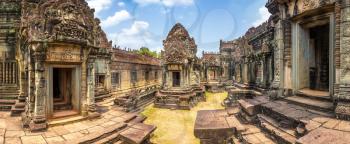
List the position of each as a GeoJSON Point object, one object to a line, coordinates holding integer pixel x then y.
{"type": "Point", "coordinates": [147, 52]}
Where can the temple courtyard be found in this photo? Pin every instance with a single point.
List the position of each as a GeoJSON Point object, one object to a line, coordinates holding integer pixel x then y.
{"type": "Point", "coordinates": [176, 126]}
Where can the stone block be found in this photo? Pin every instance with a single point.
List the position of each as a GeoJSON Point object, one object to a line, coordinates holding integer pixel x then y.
{"type": "Point", "coordinates": [33, 140]}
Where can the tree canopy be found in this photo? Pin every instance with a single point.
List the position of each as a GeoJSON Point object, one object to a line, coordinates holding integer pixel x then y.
{"type": "Point", "coordinates": [147, 52]}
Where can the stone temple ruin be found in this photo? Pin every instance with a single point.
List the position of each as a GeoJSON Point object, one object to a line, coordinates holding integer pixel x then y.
{"type": "Point", "coordinates": [287, 79]}
{"type": "Point", "coordinates": [181, 74]}
{"type": "Point", "coordinates": [57, 67]}
{"type": "Point", "coordinates": [290, 78]}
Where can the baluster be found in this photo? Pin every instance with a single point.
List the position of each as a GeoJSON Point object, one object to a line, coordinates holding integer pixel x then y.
{"type": "Point", "coordinates": [6, 73]}
{"type": "Point", "coordinates": [10, 72]}
{"type": "Point", "coordinates": [1, 72]}
{"type": "Point", "coordinates": [16, 73]}
{"type": "Point", "coordinates": [13, 73]}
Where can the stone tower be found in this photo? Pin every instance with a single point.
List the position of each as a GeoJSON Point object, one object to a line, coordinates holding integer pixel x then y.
{"type": "Point", "coordinates": [180, 81]}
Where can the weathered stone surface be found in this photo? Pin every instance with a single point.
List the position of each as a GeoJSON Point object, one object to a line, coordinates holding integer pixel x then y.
{"type": "Point", "coordinates": [33, 140]}
{"type": "Point", "coordinates": [216, 124]}
{"type": "Point", "coordinates": [311, 125]}
{"type": "Point", "coordinates": [137, 134]}
{"type": "Point", "coordinates": [325, 136]}
{"type": "Point", "coordinates": [12, 134]}
{"type": "Point", "coordinates": [53, 140]}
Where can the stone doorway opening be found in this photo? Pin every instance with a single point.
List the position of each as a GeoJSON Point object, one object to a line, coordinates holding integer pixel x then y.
{"type": "Point", "coordinates": [312, 66]}
{"type": "Point", "coordinates": [176, 79]}
{"type": "Point", "coordinates": [63, 89]}
{"type": "Point", "coordinates": [319, 58]}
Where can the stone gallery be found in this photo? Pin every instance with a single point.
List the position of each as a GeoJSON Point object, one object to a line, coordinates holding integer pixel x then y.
{"type": "Point", "coordinates": [62, 81]}
{"type": "Point", "coordinates": [290, 78]}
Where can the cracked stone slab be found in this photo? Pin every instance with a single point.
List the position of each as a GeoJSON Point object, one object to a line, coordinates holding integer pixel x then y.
{"type": "Point", "coordinates": [325, 136]}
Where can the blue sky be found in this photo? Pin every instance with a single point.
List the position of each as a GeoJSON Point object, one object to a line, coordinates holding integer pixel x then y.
{"type": "Point", "coordinates": [136, 23]}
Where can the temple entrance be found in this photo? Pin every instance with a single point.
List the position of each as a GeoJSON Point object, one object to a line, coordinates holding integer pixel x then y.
{"type": "Point", "coordinates": [63, 92]}
{"type": "Point", "coordinates": [176, 79]}
{"type": "Point", "coordinates": [319, 58]}
{"type": "Point", "coordinates": [312, 56]}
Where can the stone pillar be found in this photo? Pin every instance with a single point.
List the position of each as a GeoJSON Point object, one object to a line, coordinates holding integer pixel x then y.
{"type": "Point", "coordinates": [343, 108]}
{"type": "Point", "coordinates": [91, 89]}
{"type": "Point", "coordinates": [38, 121]}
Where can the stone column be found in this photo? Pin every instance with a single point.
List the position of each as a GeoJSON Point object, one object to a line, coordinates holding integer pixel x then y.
{"type": "Point", "coordinates": [91, 105]}
{"type": "Point", "coordinates": [343, 108]}
{"type": "Point", "coordinates": [38, 121]}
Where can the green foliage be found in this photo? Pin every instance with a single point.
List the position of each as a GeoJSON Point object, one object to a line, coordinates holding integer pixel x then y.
{"type": "Point", "coordinates": [145, 51]}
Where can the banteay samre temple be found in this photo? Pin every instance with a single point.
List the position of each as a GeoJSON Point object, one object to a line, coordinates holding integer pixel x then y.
{"type": "Point", "coordinates": [287, 80]}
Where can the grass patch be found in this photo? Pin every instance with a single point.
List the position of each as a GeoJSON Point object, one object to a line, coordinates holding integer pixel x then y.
{"type": "Point", "coordinates": [176, 126]}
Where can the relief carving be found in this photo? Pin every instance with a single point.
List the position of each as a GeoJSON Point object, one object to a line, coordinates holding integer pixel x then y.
{"type": "Point", "coordinates": [346, 31]}
{"type": "Point", "coordinates": [310, 4]}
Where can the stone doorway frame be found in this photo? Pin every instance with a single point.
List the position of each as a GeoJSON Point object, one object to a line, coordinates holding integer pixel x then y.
{"type": "Point", "coordinates": [300, 34]}
{"type": "Point", "coordinates": [76, 88]}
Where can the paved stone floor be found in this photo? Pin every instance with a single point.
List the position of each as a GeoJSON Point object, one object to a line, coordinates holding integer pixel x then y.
{"type": "Point", "coordinates": [12, 133]}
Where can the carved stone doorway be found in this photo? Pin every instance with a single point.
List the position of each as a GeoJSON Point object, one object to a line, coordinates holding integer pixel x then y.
{"type": "Point", "coordinates": [63, 91]}
{"type": "Point", "coordinates": [313, 54]}
{"type": "Point", "coordinates": [176, 79]}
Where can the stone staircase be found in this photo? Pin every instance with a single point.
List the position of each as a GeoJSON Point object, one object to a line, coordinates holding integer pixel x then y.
{"type": "Point", "coordinates": [318, 101]}
{"type": "Point", "coordinates": [286, 120]}
{"type": "Point", "coordinates": [130, 130]}
{"type": "Point", "coordinates": [101, 94]}
{"type": "Point", "coordinates": [10, 100]}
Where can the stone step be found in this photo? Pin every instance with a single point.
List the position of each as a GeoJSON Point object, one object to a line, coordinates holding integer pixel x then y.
{"type": "Point", "coordinates": [251, 107]}
{"type": "Point", "coordinates": [311, 103]}
{"type": "Point", "coordinates": [291, 114]}
{"type": "Point", "coordinates": [9, 97]}
{"type": "Point", "coordinates": [282, 135]}
{"type": "Point", "coordinates": [7, 102]}
{"type": "Point", "coordinates": [19, 104]}
{"type": "Point", "coordinates": [101, 97]}
{"type": "Point", "coordinates": [128, 117]}
{"type": "Point", "coordinates": [317, 95]}
{"type": "Point", "coordinates": [5, 107]}
{"type": "Point", "coordinates": [254, 138]}
{"type": "Point", "coordinates": [138, 119]}
{"type": "Point", "coordinates": [137, 134]}
{"type": "Point", "coordinates": [16, 111]}
{"type": "Point", "coordinates": [101, 136]}
{"type": "Point", "coordinates": [66, 120]}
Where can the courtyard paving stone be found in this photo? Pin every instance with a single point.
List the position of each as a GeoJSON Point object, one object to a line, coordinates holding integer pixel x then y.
{"type": "Point", "coordinates": [12, 134]}
{"type": "Point", "coordinates": [16, 140]}
{"type": "Point", "coordinates": [54, 140]}
{"type": "Point", "coordinates": [38, 139]}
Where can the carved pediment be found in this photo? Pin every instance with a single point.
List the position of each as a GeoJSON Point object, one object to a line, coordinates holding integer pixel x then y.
{"type": "Point", "coordinates": [62, 20]}
{"type": "Point", "coordinates": [179, 46]}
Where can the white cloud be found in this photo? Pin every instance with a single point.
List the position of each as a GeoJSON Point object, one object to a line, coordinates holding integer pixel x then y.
{"type": "Point", "coordinates": [135, 37]}
{"type": "Point", "coordinates": [99, 5]}
{"type": "Point", "coordinates": [121, 4]}
{"type": "Point", "coordinates": [264, 16]}
{"type": "Point", "coordinates": [168, 3]}
{"type": "Point", "coordinates": [117, 18]}
{"type": "Point", "coordinates": [171, 3]}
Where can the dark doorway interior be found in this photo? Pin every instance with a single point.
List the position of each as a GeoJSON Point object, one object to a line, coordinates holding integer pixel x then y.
{"type": "Point", "coordinates": [176, 79]}
{"type": "Point", "coordinates": [319, 58]}
{"type": "Point", "coordinates": [62, 89]}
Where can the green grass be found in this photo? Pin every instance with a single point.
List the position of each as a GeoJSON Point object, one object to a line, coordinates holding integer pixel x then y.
{"type": "Point", "coordinates": [176, 126]}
